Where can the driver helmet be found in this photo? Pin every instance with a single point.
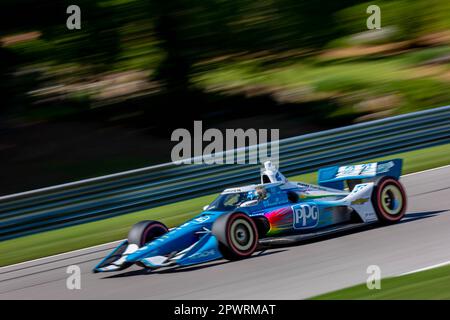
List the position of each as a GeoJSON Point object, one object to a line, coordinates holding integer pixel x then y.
{"type": "Point", "coordinates": [261, 192]}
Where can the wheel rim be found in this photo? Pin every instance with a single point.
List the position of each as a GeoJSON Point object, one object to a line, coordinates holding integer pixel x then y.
{"type": "Point", "coordinates": [392, 200]}
{"type": "Point", "coordinates": [242, 236]}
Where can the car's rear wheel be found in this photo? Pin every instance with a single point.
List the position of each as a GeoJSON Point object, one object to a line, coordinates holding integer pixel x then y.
{"type": "Point", "coordinates": [389, 200]}
{"type": "Point", "coordinates": [144, 232]}
{"type": "Point", "coordinates": [237, 235]}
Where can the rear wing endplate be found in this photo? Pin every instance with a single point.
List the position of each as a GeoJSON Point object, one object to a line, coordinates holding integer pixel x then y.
{"type": "Point", "coordinates": [334, 177]}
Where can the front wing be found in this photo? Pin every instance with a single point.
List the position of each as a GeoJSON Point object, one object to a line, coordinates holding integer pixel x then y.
{"type": "Point", "coordinates": [125, 255]}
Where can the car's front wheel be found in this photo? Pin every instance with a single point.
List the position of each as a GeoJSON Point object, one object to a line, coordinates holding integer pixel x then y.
{"type": "Point", "coordinates": [145, 231]}
{"type": "Point", "coordinates": [237, 235]}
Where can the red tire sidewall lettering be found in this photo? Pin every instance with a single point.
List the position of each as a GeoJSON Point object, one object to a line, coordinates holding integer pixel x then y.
{"type": "Point", "coordinates": [381, 210]}
{"type": "Point", "coordinates": [230, 221]}
{"type": "Point", "coordinates": [152, 227]}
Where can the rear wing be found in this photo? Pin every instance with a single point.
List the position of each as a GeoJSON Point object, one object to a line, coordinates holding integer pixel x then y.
{"type": "Point", "coordinates": [334, 177]}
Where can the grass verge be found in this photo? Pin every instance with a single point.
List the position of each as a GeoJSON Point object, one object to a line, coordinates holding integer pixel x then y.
{"type": "Point", "coordinates": [431, 284]}
{"type": "Point", "coordinates": [94, 233]}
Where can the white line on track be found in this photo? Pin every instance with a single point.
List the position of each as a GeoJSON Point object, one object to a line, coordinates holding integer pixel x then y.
{"type": "Point", "coordinates": [61, 254]}
{"type": "Point", "coordinates": [423, 171]}
{"type": "Point", "coordinates": [427, 268]}
{"type": "Point", "coordinates": [117, 241]}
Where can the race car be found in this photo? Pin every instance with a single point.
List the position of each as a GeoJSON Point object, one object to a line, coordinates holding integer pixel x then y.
{"type": "Point", "coordinates": [275, 211]}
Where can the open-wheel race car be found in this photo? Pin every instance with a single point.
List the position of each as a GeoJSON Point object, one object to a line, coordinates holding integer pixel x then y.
{"type": "Point", "coordinates": [275, 211]}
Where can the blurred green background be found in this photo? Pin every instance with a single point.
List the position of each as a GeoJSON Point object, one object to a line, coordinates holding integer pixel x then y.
{"type": "Point", "coordinates": [81, 103]}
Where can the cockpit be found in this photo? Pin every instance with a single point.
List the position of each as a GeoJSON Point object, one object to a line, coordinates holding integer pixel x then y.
{"type": "Point", "coordinates": [262, 196]}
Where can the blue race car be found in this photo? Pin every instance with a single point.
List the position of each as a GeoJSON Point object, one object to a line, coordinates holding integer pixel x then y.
{"type": "Point", "coordinates": [276, 211]}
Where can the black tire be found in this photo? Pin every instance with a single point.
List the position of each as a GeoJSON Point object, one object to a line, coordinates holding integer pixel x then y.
{"type": "Point", "coordinates": [389, 200]}
{"type": "Point", "coordinates": [237, 235]}
{"type": "Point", "coordinates": [145, 231]}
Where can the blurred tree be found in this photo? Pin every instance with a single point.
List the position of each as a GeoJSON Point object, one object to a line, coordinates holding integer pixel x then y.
{"type": "Point", "coordinates": [310, 24]}
{"type": "Point", "coordinates": [175, 69]}
{"type": "Point", "coordinates": [8, 61]}
{"type": "Point", "coordinates": [188, 32]}
{"type": "Point", "coordinates": [96, 44]}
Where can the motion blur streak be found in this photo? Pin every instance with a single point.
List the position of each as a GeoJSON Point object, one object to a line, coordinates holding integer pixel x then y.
{"type": "Point", "coordinates": [103, 99]}
{"type": "Point", "coordinates": [285, 273]}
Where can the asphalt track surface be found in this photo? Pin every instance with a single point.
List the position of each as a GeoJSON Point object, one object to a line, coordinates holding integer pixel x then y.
{"type": "Point", "coordinates": [296, 272]}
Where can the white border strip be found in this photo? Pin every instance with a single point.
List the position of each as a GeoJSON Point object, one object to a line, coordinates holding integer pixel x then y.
{"type": "Point", "coordinates": [66, 253]}
{"type": "Point", "coordinates": [61, 254]}
{"type": "Point", "coordinates": [428, 170]}
{"type": "Point", "coordinates": [427, 268]}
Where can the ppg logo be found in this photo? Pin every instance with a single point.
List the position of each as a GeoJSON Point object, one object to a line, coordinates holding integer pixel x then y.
{"type": "Point", "coordinates": [305, 216]}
